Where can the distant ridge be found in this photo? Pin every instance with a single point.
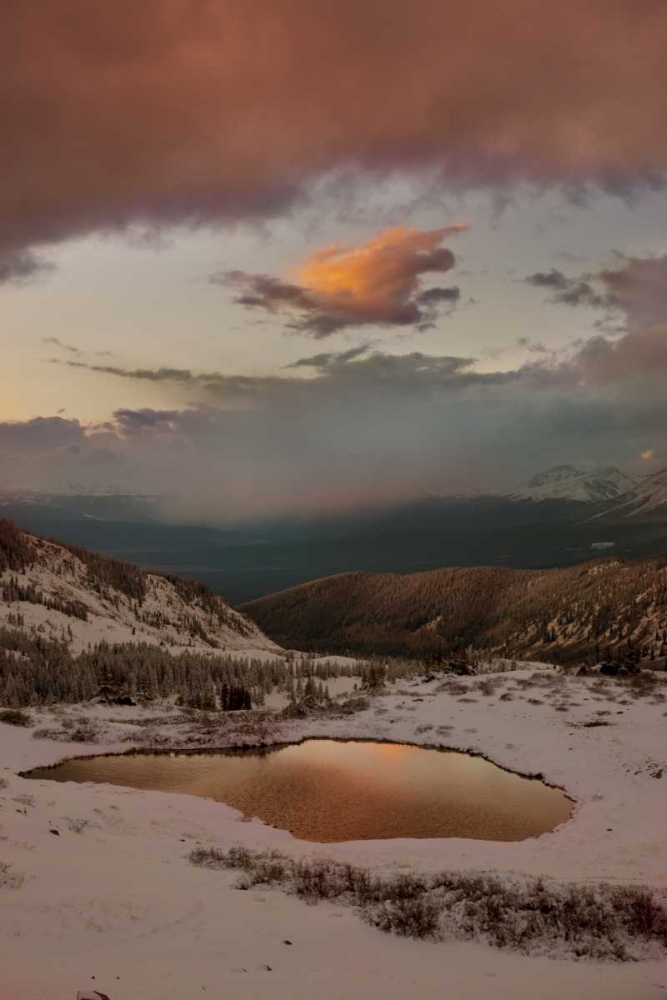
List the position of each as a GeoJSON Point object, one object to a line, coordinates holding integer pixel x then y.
{"type": "Point", "coordinates": [588, 612]}
{"type": "Point", "coordinates": [569, 482]}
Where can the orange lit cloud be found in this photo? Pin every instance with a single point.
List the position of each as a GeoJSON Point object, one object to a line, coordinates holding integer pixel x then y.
{"type": "Point", "coordinates": [193, 111]}
{"type": "Point", "coordinates": [378, 282]}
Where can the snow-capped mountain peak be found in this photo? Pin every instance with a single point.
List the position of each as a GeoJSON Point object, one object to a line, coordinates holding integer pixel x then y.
{"type": "Point", "coordinates": [570, 482]}
{"type": "Point", "coordinates": [649, 494]}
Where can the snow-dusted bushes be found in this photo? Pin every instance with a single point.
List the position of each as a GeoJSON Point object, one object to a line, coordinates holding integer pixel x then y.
{"type": "Point", "coordinates": [600, 921]}
{"type": "Point", "coordinates": [15, 717]}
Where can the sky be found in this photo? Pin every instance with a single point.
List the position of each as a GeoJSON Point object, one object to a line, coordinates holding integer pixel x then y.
{"type": "Point", "coordinates": [286, 257]}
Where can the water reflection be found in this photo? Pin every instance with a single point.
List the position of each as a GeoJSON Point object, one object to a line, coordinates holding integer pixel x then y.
{"type": "Point", "coordinates": [327, 791]}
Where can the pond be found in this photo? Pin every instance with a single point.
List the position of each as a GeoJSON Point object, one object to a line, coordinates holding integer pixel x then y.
{"type": "Point", "coordinates": [327, 791]}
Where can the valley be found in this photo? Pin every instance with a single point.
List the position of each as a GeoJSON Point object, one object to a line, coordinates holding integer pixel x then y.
{"type": "Point", "coordinates": [561, 517]}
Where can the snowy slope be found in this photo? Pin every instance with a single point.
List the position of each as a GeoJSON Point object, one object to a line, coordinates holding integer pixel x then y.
{"type": "Point", "coordinates": [569, 482]}
{"type": "Point", "coordinates": [649, 495]}
{"type": "Point", "coordinates": [84, 599]}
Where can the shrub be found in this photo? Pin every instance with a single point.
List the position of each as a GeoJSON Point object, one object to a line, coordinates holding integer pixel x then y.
{"type": "Point", "coordinates": [15, 717]}
{"type": "Point", "coordinates": [8, 878]}
{"type": "Point", "coordinates": [76, 825]}
{"type": "Point", "coordinates": [415, 918]}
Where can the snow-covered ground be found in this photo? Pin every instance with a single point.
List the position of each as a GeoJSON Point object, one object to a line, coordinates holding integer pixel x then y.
{"type": "Point", "coordinates": [119, 902]}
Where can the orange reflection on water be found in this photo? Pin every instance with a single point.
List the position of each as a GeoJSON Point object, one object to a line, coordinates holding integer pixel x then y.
{"type": "Point", "coordinates": [328, 790]}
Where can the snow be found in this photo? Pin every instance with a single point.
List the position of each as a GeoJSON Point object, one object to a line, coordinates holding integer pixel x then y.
{"type": "Point", "coordinates": [119, 902]}
{"type": "Point", "coordinates": [569, 482]}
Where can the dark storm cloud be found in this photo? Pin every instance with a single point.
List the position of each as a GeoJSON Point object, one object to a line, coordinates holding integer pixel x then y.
{"type": "Point", "coordinates": [174, 111]}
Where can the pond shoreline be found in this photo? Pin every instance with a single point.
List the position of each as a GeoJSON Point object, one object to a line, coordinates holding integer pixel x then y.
{"type": "Point", "coordinates": [264, 747]}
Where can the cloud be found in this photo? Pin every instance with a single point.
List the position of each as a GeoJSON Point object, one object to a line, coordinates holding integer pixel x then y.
{"type": "Point", "coordinates": [136, 374]}
{"type": "Point", "coordinates": [569, 291]}
{"type": "Point", "coordinates": [195, 111]}
{"type": "Point", "coordinates": [635, 290]}
{"type": "Point", "coordinates": [361, 427]}
{"type": "Point", "coordinates": [47, 432]}
{"type": "Point", "coordinates": [72, 349]}
{"type": "Point", "coordinates": [21, 267]}
{"type": "Point", "coordinates": [56, 342]}
{"type": "Point", "coordinates": [377, 283]}
{"type": "Point", "coordinates": [638, 289]}
{"type": "Point", "coordinates": [532, 346]}
{"type": "Point", "coordinates": [354, 428]}
{"type": "Point", "coordinates": [335, 371]}
{"type": "Point", "coordinates": [324, 361]}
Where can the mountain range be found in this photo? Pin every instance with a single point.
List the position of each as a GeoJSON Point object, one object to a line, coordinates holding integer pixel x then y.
{"type": "Point", "coordinates": [560, 517]}
{"type": "Point", "coordinates": [584, 485]}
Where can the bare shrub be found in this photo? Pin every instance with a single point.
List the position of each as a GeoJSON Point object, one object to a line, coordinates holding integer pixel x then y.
{"type": "Point", "coordinates": [44, 733]}
{"type": "Point", "coordinates": [27, 801]}
{"type": "Point", "coordinates": [415, 918]}
{"type": "Point", "coordinates": [76, 825]}
{"type": "Point", "coordinates": [8, 878]}
{"type": "Point", "coordinates": [15, 717]}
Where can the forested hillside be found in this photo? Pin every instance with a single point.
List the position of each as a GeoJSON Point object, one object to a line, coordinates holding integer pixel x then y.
{"type": "Point", "coordinates": [590, 612]}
